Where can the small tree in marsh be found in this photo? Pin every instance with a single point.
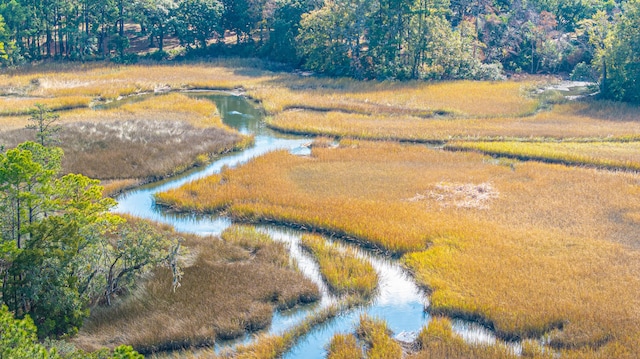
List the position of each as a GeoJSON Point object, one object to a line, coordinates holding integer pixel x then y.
{"type": "Point", "coordinates": [42, 120]}
{"type": "Point", "coordinates": [58, 248]}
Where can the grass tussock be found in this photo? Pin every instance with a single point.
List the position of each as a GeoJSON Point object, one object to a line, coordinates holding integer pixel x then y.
{"type": "Point", "coordinates": [377, 338]}
{"type": "Point", "coordinates": [229, 287]}
{"type": "Point", "coordinates": [437, 340]}
{"type": "Point", "coordinates": [344, 346]}
{"type": "Point", "coordinates": [573, 249]}
{"type": "Point", "coordinates": [610, 155]}
{"type": "Point", "coordinates": [344, 272]}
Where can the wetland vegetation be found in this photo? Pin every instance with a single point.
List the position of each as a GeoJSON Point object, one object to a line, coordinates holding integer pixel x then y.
{"type": "Point", "coordinates": [525, 220]}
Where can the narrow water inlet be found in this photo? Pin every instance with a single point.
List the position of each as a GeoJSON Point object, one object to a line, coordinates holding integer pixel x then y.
{"type": "Point", "coordinates": [399, 301]}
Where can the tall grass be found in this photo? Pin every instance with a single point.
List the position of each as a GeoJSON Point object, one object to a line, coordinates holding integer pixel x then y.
{"type": "Point", "coordinates": [554, 251]}
{"type": "Point", "coordinates": [344, 346]}
{"type": "Point", "coordinates": [14, 106]}
{"type": "Point", "coordinates": [344, 272]}
{"type": "Point", "coordinates": [229, 287]}
{"type": "Point", "coordinates": [611, 155]}
{"type": "Point", "coordinates": [146, 140]}
{"type": "Point", "coordinates": [461, 98]}
{"type": "Point", "coordinates": [572, 121]}
{"type": "Point", "coordinates": [377, 337]}
{"type": "Point", "coordinates": [437, 340]}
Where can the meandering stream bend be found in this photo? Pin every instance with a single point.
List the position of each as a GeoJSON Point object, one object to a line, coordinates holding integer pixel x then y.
{"type": "Point", "coordinates": [399, 301]}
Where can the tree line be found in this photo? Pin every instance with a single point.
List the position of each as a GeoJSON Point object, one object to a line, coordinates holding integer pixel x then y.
{"type": "Point", "coordinates": [365, 39]}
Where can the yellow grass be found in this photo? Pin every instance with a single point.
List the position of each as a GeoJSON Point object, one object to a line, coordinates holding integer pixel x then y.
{"type": "Point", "coordinates": [438, 341]}
{"type": "Point", "coordinates": [612, 155]}
{"type": "Point", "coordinates": [460, 98]}
{"type": "Point", "coordinates": [602, 120]}
{"type": "Point", "coordinates": [377, 337]}
{"type": "Point", "coordinates": [229, 287]}
{"type": "Point", "coordinates": [344, 346]}
{"type": "Point", "coordinates": [110, 81]}
{"type": "Point", "coordinates": [14, 106]}
{"type": "Point", "coordinates": [342, 270]}
{"type": "Point", "coordinates": [527, 248]}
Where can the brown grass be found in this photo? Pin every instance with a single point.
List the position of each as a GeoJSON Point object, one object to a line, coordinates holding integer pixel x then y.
{"type": "Point", "coordinates": [150, 139]}
{"type": "Point", "coordinates": [567, 236]}
{"type": "Point", "coordinates": [229, 287]}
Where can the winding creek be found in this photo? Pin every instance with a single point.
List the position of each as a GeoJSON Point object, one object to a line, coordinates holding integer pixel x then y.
{"type": "Point", "coordinates": [399, 301]}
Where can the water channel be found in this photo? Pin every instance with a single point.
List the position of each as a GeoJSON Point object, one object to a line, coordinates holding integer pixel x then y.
{"type": "Point", "coordinates": [398, 301]}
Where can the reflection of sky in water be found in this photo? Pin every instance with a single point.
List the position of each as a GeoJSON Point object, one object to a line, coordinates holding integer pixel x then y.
{"type": "Point", "coordinates": [398, 301]}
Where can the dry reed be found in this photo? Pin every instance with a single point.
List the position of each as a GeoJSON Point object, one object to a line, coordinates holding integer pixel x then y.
{"type": "Point", "coordinates": [228, 288]}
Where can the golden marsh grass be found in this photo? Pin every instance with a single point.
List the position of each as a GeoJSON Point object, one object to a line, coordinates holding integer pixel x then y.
{"type": "Point", "coordinates": [460, 98]}
{"type": "Point", "coordinates": [344, 272]}
{"type": "Point", "coordinates": [572, 249]}
{"type": "Point", "coordinates": [611, 155]}
{"type": "Point", "coordinates": [20, 106]}
{"type": "Point", "coordinates": [437, 340]}
{"type": "Point", "coordinates": [377, 338]}
{"type": "Point", "coordinates": [599, 120]}
{"type": "Point", "coordinates": [229, 287]}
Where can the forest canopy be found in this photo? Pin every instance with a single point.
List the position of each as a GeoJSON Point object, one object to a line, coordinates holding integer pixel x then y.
{"type": "Point", "coordinates": [594, 40]}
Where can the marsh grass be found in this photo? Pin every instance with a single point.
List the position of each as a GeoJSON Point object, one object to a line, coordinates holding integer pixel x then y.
{"type": "Point", "coordinates": [229, 287]}
{"type": "Point", "coordinates": [609, 155]}
{"type": "Point", "coordinates": [344, 346]}
{"type": "Point", "coordinates": [377, 338]}
{"type": "Point", "coordinates": [420, 99]}
{"type": "Point", "coordinates": [108, 81]}
{"type": "Point", "coordinates": [344, 272]}
{"type": "Point", "coordinates": [437, 340]}
{"type": "Point", "coordinates": [591, 120]}
{"type": "Point", "coordinates": [16, 106]}
{"type": "Point", "coordinates": [142, 141]}
{"type": "Point", "coordinates": [572, 249]}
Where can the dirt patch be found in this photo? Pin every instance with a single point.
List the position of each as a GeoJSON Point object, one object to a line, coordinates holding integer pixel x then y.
{"type": "Point", "coordinates": [462, 195]}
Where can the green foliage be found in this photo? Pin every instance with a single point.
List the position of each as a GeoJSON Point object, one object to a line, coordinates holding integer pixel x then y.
{"type": "Point", "coordinates": [621, 60]}
{"type": "Point", "coordinates": [197, 21]}
{"type": "Point", "coordinates": [42, 120]}
{"type": "Point", "coordinates": [62, 248]}
{"type": "Point", "coordinates": [18, 338]}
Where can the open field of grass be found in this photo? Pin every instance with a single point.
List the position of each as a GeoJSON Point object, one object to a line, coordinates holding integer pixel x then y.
{"type": "Point", "coordinates": [462, 220]}
{"type": "Point", "coordinates": [592, 120]}
{"type": "Point", "coordinates": [344, 272]}
{"type": "Point", "coordinates": [421, 99]}
{"type": "Point", "coordinates": [229, 286]}
{"type": "Point", "coordinates": [109, 81]}
{"type": "Point", "coordinates": [610, 155]}
{"type": "Point", "coordinates": [138, 141]}
{"type": "Point", "coordinates": [20, 106]}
